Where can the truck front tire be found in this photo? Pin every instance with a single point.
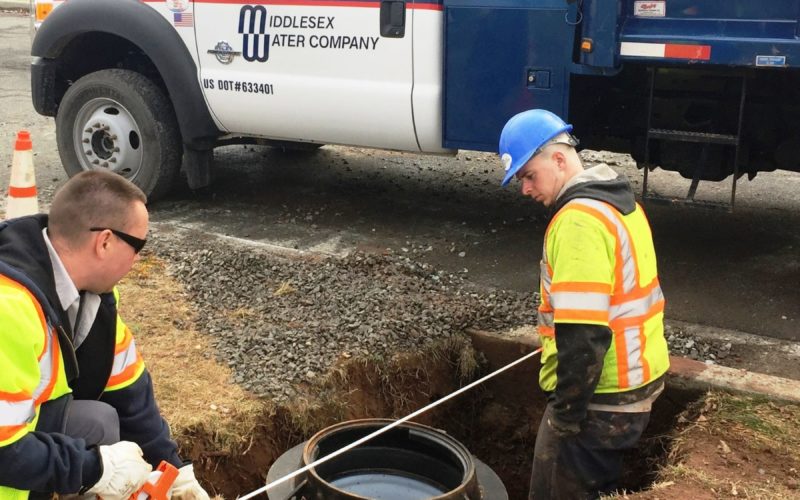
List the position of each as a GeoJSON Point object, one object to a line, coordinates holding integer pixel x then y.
{"type": "Point", "coordinates": [118, 120]}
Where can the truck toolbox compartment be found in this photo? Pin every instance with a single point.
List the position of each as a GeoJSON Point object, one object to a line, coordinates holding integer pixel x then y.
{"type": "Point", "coordinates": [502, 57]}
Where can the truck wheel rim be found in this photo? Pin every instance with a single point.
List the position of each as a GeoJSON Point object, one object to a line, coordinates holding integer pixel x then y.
{"type": "Point", "coordinates": [107, 137]}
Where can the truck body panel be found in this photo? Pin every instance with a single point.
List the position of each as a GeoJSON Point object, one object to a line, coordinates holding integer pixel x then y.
{"type": "Point", "coordinates": [642, 77]}
{"type": "Point", "coordinates": [428, 87]}
{"type": "Point", "coordinates": [317, 72]}
{"type": "Point", "coordinates": [502, 57]}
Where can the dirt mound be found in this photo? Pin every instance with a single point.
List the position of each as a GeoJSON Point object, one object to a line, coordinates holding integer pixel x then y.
{"type": "Point", "coordinates": [728, 446]}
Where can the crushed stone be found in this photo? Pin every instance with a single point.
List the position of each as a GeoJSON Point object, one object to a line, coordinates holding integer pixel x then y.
{"type": "Point", "coordinates": [682, 343]}
{"type": "Point", "coordinates": [278, 322]}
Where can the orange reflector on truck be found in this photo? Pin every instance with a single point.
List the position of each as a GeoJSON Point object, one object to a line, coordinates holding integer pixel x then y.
{"type": "Point", "coordinates": [42, 9]}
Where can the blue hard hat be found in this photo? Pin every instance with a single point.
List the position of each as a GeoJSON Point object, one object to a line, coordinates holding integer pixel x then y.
{"type": "Point", "coordinates": [524, 135]}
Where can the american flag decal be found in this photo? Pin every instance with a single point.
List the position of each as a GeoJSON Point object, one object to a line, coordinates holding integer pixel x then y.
{"type": "Point", "coordinates": [185, 19]}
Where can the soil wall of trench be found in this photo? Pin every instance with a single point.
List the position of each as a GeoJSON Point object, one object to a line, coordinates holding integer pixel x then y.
{"type": "Point", "coordinates": [496, 421]}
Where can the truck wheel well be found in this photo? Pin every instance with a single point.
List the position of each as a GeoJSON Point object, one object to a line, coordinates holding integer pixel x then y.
{"type": "Point", "coordinates": [82, 36]}
{"type": "Point", "coordinates": [117, 53]}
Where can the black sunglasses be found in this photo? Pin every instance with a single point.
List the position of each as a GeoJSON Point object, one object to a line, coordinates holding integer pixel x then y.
{"type": "Point", "coordinates": [136, 243]}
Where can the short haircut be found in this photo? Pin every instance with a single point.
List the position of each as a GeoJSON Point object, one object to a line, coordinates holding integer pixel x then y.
{"type": "Point", "coordinates": [562, 142]}
{"type": "Point", "coordinates": [93, 198]}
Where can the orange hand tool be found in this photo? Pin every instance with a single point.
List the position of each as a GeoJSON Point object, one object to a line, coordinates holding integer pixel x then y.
{"type": "Point", "coordinates": [158, 484]}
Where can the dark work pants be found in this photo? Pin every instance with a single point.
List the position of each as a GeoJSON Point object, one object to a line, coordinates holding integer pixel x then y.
{"type": "Point", "coordinates": [587, 464]}
{"type": "Point", "coordinates": [94, 421]}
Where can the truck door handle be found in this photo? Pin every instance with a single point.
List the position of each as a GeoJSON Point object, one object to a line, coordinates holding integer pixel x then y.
{"type": "Point", "coordinates": [393, 18]}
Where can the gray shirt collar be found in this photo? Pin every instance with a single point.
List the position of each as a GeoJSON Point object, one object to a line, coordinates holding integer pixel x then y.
{"type": "Point", "coordinates": [65, 288]}
{"type": "Point", "coordinates": [70, 298]}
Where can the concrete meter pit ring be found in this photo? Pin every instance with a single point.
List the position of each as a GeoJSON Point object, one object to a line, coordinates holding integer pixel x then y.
{"type": "Point", "coordinates": [409, 462]}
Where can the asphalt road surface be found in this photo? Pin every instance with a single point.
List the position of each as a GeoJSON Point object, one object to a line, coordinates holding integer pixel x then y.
{"type": "Point", "coordinates": [737, 271]}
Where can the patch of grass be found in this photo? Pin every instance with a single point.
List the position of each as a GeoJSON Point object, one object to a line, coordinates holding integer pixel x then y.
{"type": "Point", "coordinates": [760, 463]}
{"type": "Point", "coordinates": [241, 314]}
{"type": "Point", "coordinates": [469, 362]}
{"type": "Point", "coordinates": [747, 411]}
{"type": "Point", "coordinates": [771, 425]}
{"type": "Point", "coordinates": [193, 391]}
{"type": "Point", "coordinates": [722, 487]}
{"type": "Point", "coordinates": [308, 415]}
{"type": "Point", "coordinates": [674, 472]}
{"type": "Point", "coordinates": [285, 288]}
{"type": "Point", "coordinates": [395, 383]}
{"type": "Point", "coordinates": [148, 267]}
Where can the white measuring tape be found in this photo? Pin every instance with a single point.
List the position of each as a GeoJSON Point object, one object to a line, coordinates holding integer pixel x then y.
{"type": "Point", "coordinates": [387, 427]}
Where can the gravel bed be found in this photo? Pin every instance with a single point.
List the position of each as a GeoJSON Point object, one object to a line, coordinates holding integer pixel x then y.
{"type": "Point", "coordinates": [278, 322]}
{"type": "Point", "coordinates": [691, 346]}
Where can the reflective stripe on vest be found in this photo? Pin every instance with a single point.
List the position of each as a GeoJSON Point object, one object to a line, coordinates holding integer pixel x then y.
{"type": "Point", "coordinates": [625, 309]}
{"type": "Point", "coordinates": [544, 315]}
{"type": "Point", "coordinates": [18, 410]}
{"type": "Point", "coordinates": [128, 363]}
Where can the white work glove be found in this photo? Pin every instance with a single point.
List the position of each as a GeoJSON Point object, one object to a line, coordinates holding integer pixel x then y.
{"type": "Point", "coordinates": [186, 486]}
{"type": "Point", "coordinates": [124, 471]}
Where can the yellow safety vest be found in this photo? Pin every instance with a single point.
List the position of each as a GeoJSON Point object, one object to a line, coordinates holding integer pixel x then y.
{"type": "Point", "coordinates": [33, 368]}
{"type": "Point", "coordinates": [599, 268]}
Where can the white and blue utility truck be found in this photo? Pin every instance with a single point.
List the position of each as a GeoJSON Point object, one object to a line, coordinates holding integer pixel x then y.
{"type": "Point", "coordinates": [144, 87]}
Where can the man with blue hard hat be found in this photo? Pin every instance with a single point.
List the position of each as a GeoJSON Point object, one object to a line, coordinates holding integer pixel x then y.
{"type": "Point", "coordinates": [601, 314]}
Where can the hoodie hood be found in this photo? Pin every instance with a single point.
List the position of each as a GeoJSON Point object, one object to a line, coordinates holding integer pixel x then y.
{"type": "Point", "coordinates": [22, 246]}
{"type": "Point", "coordinates": [599, 183]}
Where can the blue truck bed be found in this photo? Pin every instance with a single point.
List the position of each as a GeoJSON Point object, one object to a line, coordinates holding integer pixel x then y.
{"type": "Point", "coordinates": [503, 56]}
{"type": "Point", "coordinates": [724, 32]}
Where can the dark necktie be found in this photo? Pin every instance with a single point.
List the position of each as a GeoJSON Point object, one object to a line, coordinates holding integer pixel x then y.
{"type": "Point", "coordinates": [82, 294]}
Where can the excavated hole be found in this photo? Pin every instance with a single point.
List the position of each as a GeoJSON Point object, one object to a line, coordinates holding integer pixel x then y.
{"type": "Point", "coordinates": [497, 421]}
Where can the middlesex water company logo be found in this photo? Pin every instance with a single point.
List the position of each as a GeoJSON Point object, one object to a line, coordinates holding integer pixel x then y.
{"type": "Point", "coordinates": [253, 28]}
{"type": "Point", "coordinates": [291, 31]}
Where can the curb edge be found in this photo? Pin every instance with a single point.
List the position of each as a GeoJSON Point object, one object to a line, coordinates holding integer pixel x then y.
{"type": "Point", "coordinates": [684, 372]}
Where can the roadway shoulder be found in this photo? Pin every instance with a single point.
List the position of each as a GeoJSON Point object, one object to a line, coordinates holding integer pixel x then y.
{"type": "Point", "coordinates": [501, 349]}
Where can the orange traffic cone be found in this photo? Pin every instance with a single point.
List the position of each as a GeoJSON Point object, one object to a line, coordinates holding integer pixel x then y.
{"type": "Point", "coordinates": [22, 199]}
